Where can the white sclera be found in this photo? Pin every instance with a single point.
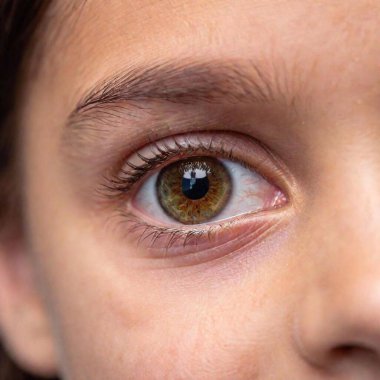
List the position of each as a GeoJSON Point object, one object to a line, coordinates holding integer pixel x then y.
{"type": "Point", "coordinates": [250, 192]}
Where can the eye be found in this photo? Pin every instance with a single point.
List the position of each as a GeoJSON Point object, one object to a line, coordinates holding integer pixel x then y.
{"type": "Point", "coordinates": [191, 193]}
{"type": "Point", "coordinates": [204, 189]}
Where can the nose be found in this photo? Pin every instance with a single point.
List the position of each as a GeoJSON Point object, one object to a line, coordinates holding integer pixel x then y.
{"type": "Point", "coordinates": [339, 330]}
{"type": "Point", "coordinates": [337, 323]}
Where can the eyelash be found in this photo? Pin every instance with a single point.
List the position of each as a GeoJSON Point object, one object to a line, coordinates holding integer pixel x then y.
{"type": "Point", "coordinates": [121, 184]}
{"type": "Point", "coordinates": [172, 235]}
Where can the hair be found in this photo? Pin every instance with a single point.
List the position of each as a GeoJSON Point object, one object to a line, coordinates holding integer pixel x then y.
{"type": "Point", "coordinates": [18, 22]}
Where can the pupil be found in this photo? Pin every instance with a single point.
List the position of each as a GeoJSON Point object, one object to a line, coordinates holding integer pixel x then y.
{"type": "Point", "coordinates": [195, 184]}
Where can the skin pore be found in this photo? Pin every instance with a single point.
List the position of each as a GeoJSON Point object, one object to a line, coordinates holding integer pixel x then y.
{"type": "Point", "coordinates": [290, 88]}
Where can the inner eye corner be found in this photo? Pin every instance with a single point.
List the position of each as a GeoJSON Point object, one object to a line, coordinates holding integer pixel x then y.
{"type": "Point", "coordinates": [281, 180]}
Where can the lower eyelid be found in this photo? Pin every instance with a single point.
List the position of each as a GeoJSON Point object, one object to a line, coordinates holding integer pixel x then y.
{"type": "Point", "coordinates": [191, 246]}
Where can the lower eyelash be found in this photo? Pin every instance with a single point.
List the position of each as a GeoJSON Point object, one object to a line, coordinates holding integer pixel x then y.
{"type": "Point", "coordinates": [192, 241]}
{"type": "Point", "coordinates": [172, 235]}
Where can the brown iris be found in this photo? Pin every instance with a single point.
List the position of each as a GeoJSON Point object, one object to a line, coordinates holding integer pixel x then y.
{"type": "Point", "coordinates": [194, 190]}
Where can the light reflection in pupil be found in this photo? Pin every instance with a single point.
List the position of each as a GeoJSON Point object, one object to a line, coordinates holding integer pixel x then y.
{"type": "Point", "coordinates": [195, 184]}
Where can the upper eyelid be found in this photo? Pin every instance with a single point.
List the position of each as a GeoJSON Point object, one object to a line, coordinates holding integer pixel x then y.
{"type": "Point", "coordinates": [124, 130]}
{"type": "Point", "coordinates": [149, 164]}
{"type": "Point", "coordinates": [183, 82]}
{"type": "Point", "coordinates": [259, 160]}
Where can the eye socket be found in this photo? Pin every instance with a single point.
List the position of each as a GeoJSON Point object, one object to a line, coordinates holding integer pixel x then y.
{"type": "Point", "coordinates": [202, 189]}
{"type": "Point", "coordinates": [198, 195]}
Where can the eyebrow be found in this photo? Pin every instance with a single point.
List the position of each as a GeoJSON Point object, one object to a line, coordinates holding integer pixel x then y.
{"type": "Point", "coordinates": [184, 83]}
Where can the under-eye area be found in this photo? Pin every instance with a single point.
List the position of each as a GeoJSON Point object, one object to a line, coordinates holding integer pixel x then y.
{"type": "Point", "coordinates": [197, 192]}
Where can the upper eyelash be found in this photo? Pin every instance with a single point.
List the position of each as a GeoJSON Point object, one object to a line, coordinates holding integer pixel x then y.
{"type": "Point", "coordinates": [123, 181]}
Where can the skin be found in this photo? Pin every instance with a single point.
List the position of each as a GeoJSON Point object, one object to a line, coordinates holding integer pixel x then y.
{"type": "Point", "coordinates": [81, 299]}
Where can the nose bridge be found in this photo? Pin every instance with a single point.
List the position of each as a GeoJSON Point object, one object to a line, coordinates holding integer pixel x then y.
{"type": "Point", "coordinates": [345, 221]}
{"type": "Point", "coordinates": [340, 306]}
{"type": "Point", "coordinates": [347, 227]}
{"type": "Point", "coordinates": [344, 242]}
{"type": "Point", "coordinates": [345, 204]}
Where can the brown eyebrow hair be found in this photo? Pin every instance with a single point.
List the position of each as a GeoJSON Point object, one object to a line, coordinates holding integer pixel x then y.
{"type": "Point", "coordinates": [185, 83]}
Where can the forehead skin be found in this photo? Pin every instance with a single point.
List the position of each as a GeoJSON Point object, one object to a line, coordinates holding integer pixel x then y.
{"type": "Point", "coordinates": [298, 43]}
{"type": "Point", "coordinates": [327, 55]}
{"type": "Point", "coordinates": [304, 36]}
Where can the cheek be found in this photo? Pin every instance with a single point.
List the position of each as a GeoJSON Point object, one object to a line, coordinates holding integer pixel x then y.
{"type": "Point", "coordinates": [114, 316]}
